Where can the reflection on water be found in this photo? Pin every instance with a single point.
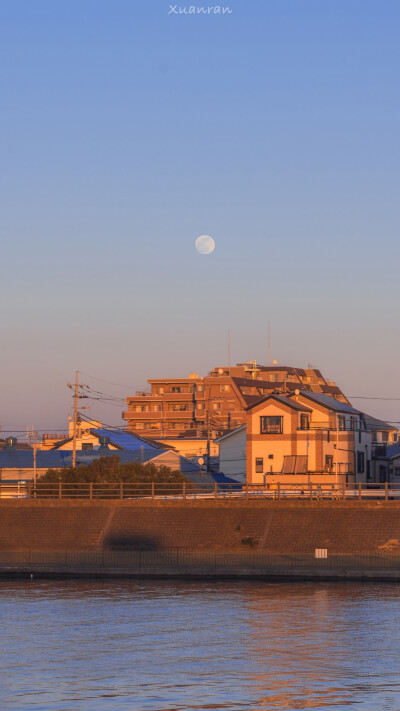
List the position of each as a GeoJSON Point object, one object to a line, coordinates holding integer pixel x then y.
{"type": "Point", "coordinates": [176, 646]}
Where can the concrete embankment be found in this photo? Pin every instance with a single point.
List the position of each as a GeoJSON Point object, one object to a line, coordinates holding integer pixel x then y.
{"type": "Point", "coordinates": [201, 538]}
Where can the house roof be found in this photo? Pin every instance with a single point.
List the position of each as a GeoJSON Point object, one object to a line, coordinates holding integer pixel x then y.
{"type": "Point", "coordinates": [374, 424]}
{"type": "Point", "coordinates": [58, 458]}
{"type": "Point", "coordinates": [230, 433]}
{"type": "Point", "coordinates": [127, 440]}
{"type": "Point", "coordinates": [329, 402]}
{"type": "Point", "coordinates": [120, 439]}
{"type": "Point", "coordinates": [393, 450]}
{"type": "Point", "coordinates": [288, 401]}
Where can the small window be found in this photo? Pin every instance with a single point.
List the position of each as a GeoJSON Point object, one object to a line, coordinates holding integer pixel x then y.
{"type": "Point", "coordinates": [342, 422]}
{"type": "Point", "coordinates": [385, 436]}
{"type": "Point", "coordinates": [304, 422]}
{"type": "Point", "coordinates": [360, 462]}
{"type": "Point", "coordinates": [329, 461]}
{"type": "Point", "coordinates": [224, 388]}
{"type": "Point", "coordinates": [259, 465]}
{"type": "Point", "coordinates": [271, 425]}
{"type": "Point", "coordinates": [87, 445]}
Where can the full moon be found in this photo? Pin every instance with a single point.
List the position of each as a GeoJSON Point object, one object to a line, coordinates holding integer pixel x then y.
{"type": "Point", "coordinates": [205, 244]}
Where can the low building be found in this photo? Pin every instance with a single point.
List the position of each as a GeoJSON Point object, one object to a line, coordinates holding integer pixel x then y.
{"type": "Point", "coordinates": [232, 454]}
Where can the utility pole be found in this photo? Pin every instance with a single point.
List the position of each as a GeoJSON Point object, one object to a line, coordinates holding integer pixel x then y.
{"type": "Point", "coordinates": [337, 451]}
{"type": "Point", "coordinates": [32, 435]}
{"type": "Point", "coordinates": [208, 455]}
{"type": "Point", "coordinates": [75, 419]}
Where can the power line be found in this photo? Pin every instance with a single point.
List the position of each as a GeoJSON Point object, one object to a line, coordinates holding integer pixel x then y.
{"type": "Point", "coordinates": [109, 382]}
{"type": "Point", "coordinates": [364, 397]}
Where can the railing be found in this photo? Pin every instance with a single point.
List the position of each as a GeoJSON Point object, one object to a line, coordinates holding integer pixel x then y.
{"type": "Point", "coordinates": [191, 491]}
{"type": "Point", "coordinates": [188, 560]}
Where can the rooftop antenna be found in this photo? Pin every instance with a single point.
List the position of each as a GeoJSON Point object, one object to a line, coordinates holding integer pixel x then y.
{"type": "Point", "coordinates": [229, 350]}
{"type": "Point", "coordinates": [269, 344]}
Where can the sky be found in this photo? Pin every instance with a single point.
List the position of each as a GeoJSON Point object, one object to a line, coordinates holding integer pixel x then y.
{"type": "Point", "coordinates": [126, 131]}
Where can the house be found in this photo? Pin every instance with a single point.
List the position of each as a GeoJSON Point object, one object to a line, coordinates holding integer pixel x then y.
{"type": "Point", "coordinates": [393, 456]}
{"type": "Point", "coordinates": [232, 453]}
{"type": "Point", "coordinates": [306, 437]}
{"type": "Point", "coordinates": [384, 437]}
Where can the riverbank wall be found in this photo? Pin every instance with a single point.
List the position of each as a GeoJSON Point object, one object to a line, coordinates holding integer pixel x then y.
{"type": "Point", "coordinates": [201, 538]}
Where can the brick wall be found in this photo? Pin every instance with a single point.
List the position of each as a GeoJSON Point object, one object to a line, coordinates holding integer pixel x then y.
{"type": "Point", "coordinates": [275, 526]}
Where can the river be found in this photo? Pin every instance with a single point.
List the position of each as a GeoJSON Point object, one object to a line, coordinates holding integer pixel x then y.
{"type": "Point", "coordinates": [177, 646]}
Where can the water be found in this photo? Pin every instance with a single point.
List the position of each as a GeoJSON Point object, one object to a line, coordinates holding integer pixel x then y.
{"type": "Point", "coordinates": [162, 646]}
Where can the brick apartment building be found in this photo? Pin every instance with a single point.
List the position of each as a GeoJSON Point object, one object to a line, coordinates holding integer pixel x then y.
{"type": "Point", "coordinates": [192, 406]}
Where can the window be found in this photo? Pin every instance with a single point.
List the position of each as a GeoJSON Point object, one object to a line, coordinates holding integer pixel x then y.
{"type": "Point", "coordinates": [385, 436]}
{"type": "Point", "coordinates": [259, 465]}
{"type": "Point", "coordinates": [200, 405]}
{"type": "Point", "coordinates": [360, 462]}
{"type": "Point", "coordinates": [329, 461]}
{"type": "Point", "coordinates": [342, 422]}
{"type": "Point", "coordinates": [216, 405]}
{"type": "Point", "coordinates": [176, 389]}
{"type": "Point", "coordinates": [87, 445]}
{"type": "Point", "coordinates": [224, 388]}
{"type": "Point", "coordinates": [271, 425]}
{"type": "Point", "coordinates": [304, 422]}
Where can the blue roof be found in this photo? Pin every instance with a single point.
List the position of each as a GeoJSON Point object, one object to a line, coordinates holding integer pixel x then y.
{"type": "Point", "coordinates": [126, 440]}
{"type": "Point", "coordinates": [56, 458]}
{"type": "Point", "coordinates": [393, 450]}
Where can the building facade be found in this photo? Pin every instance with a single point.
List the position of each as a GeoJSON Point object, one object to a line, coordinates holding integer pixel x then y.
{"type": "Point", "coordinates": [208, 406]}
{"type": "Point", "coordinates": [306, 437]}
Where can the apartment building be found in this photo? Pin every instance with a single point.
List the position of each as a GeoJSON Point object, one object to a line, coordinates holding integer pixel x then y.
{"type": "Point", "coordinates": [216, 403]}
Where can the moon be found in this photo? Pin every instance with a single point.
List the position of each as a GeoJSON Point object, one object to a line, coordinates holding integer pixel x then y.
{"type": "Point", "coordinates": [205, 244]}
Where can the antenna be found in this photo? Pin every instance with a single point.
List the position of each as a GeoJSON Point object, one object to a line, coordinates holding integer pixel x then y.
{"type": "Point", "coordinates": [269, 345]}
{"type": "Point", "coordinates": [229, 350]}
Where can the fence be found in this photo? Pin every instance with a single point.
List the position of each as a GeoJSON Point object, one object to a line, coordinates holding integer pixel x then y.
{"type": "Point", "coordinates": [190, 491]}
{"type": "Point", "coordinates": [186, 560]}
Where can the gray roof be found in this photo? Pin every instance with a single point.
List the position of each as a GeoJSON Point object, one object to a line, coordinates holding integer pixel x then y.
{"type": "Point", "coordinates": [374, 424]}
{"type": "Point", "coordinates": [330, 402]}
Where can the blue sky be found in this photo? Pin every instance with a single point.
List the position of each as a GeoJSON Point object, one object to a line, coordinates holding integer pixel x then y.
{"type": "Point", "coordinates": [125, 133]}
